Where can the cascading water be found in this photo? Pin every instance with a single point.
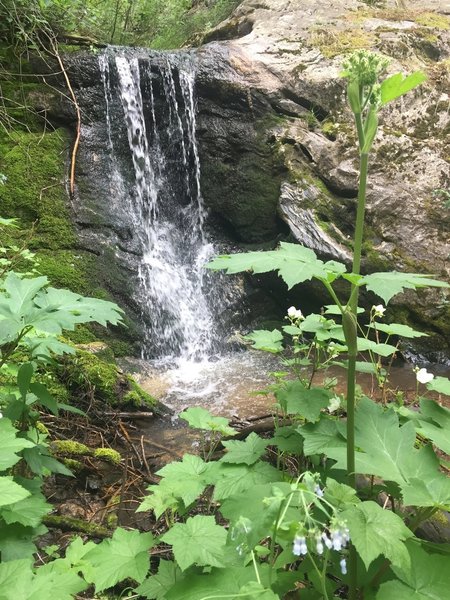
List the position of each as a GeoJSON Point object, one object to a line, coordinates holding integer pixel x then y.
{"type": "Point", "coordinates": [165, 207]}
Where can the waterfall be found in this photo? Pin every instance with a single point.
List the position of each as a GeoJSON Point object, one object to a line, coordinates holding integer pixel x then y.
{"type": "Point", "coordinates": [155, 184]}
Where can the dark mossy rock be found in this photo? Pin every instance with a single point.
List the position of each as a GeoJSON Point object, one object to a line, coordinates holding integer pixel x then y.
{"type": "Point", "coordinates": [93, 373]}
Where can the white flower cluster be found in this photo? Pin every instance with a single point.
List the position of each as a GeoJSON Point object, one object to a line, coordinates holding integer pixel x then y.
{"type": "Point", "coordinates": [378, 310]}
{"type": "Point", "coordinates": [295, 313]}
{"type": "Point", "coordinates": [336, 539]}
{"type": "Point", "coordinates": [423, 376]}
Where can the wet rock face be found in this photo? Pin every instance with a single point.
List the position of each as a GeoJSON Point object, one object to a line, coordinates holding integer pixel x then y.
{"type": "Point", "coordinates": [287, 65]}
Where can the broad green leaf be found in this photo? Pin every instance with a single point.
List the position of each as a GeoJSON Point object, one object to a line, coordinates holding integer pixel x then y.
{"type": "Point", "coordinates": [70, 308]}
{"type": "Point", "coordinates": [333, 309]}
{"type": "Point", "coordinates": [249, 503]}
{"type": "Point", "coordinates": [397, 85]}
{"type": "Point", "coordinates": [440, 385]}
{"type": "Point", "coordinates": [247, 452]}
{"type": "Point", "coordinates": [39, 460]}
{"type": "Point", "coordinates": [11, 444]}
{"type": "Point", "coordinates": [232, 479]}
{"type": "Point", "coordinates": [269, 341]}
{"type": "Point", "coordinates": [259, 507]}
{"type": "Point", "coordinates": [124, 556]}
{"type": "Point", "coordinates": [293, 262]}
{"type": "Point", "coordinates": [157, 586]}
{"type": "Point", "coordinates": [388, 450]}
{"type": "Point", "coordinates": [381, 349]}
{"type": "Point", "coordinates": [9, 331]}
{"type": "Point", "coordinates": [387, 284]}
{"type": "Point", "coordinates": [13, 574]}
{"type": "Point", "coordinates": [54, 576]}
{"type": "Point", "coordinates": [256, 591]}
{"type": "Point", "coordinates": [24, 378]}
{"type": "Point", "coordinates": [161, 498]}
{"type": "Point", "coordinates": [398, 329]}
{"type": "Point", "coordinates": [200, 418]}
{"type": "Point", "coordinates": [361, 366]}
{"type": "Point", "coordinates": [433, 422]}
{"type": "Point", "coordinates": [198, 541]}
{"type": "Point", "coordinates": [16, 541]}
{"type": "Point", "coordinates": [217, 582]}
{"type": "Point", "coordinates": [11, 492]}
{"type": "Point", "coordinates": [375, 531]}
{"type": "Point", "coordinates": [287, 439]}
{"type": "Point", "coordinates": [296, 399]}
{"type": "Point", "coordinates": [29, 511]}
{"type": "Point", "coordinates": [77, 550]}
{"type": "Point", "coordinates": [44, 397]}
{"type": "Point", "coordinates": [187, 479]}
{"type": "Point", "coordinates": [321, 436]}
{"type": "Point", "coordinates": [19, 294]}
{"type": "Point", "coordinates": [340, 495]}
{"type": "Point", "coordinates": [428, 578]}
{"type": "Point", "coordinates": [431, 492]}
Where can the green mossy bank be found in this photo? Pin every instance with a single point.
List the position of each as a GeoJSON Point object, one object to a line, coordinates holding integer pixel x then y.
{"type": "Point", "coordinates": [33, 161]}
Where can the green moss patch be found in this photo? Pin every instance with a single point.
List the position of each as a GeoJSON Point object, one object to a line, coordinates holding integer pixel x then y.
{"type": "Point", "coordinates": [85, 373]}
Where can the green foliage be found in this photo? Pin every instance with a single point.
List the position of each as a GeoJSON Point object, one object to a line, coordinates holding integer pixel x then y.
{"type": "Point", "coordinates": [198, 541]}
{"type": "Point", "coordinates": [124, 556]}
{"type": "Point", "coordinates": [270, 341]}
{"type": "Point", "coordinates": [428, 577]}
{"type": "Point", "coordinates": [247, 452]}
{"type": "Point", "coordinates": [369, 525]}
{"type": "Point", "coordinates": [157, 23]}
{"type": "Point", "coordinates": [200, 418]}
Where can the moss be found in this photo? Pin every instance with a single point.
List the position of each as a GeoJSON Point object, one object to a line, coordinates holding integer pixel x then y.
{"type": "Point", "coordinates": [70, 447]}
{"type": "Point", "coordinates": [74, 465]}
{"type": "Point", "coordinates": [41, 428]}
{"type": "Point", "coordinates": [121, 348]}
{"type": "Point", "coordinates": [334, 43]}
{"type": "Point", "coordinates": [87, 373]}
{"type": "Point", "coordinates": [108, 455]}
{"type": "Point", "coordinates": [81, 335]}
{"type": "Point", "coordinates": [71, 524]}
{"type": "Point", "coordinates": [137, 396]}
{"type": "Point", "coordinates": [432, 19]}
{"type": "Point", "coordinates": [34, 162]}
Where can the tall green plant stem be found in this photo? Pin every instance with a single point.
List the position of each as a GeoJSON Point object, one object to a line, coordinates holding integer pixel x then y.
{"type": "Point", "coordinates": [351, 371]}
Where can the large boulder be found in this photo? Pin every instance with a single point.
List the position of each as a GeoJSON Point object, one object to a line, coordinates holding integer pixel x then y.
{"type": "Point", "coordinates": [278, 147]}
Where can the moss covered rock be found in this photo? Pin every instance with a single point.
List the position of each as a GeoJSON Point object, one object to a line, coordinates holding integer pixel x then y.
{"type": "Point", "coordinates": [86, 373]}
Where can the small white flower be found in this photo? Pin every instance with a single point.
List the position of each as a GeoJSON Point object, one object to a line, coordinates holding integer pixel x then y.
{"type": "Point", "coordinates": [1, 415]}
{"type": "Point", "coordinates": [300, 548]}
{"type": "Point", "coordinates": [343, 565]}
{"type": "Point", "coordinates": [423, 376]}
{"type": "Point", "coordinates": [327, 541]}
{"type": "Point", "coordinates": [378, 310]}
{"type": "Point", "coordinates": [294, 313]}
{"type": "Point", "coordinates": [318, 491]}
{"type": "Point", "coordinates": [335, 404]}
{"type": "Point", "coordinates": [319, 547]}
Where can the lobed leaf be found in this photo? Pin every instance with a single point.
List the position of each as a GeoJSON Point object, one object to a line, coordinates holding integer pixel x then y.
{"type": "Point", "coordinates": [198, 541]}
{"type": "Point", "coordinates": [397, 85]}
{"type": "Point", "coordinates": [375, 531]}
{"type": "Point", "coordinates": [388, 284]}
{"type": "Point", "coordinates": [248, 451]}
{"type": "Point", "coordinates": [124, 556]}
{"type": "Point", "coordinates": [269, 341]}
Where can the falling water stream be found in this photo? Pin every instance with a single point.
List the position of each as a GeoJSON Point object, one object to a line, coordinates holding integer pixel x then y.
{"type": "Point", "coordinates": [176, 295]}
